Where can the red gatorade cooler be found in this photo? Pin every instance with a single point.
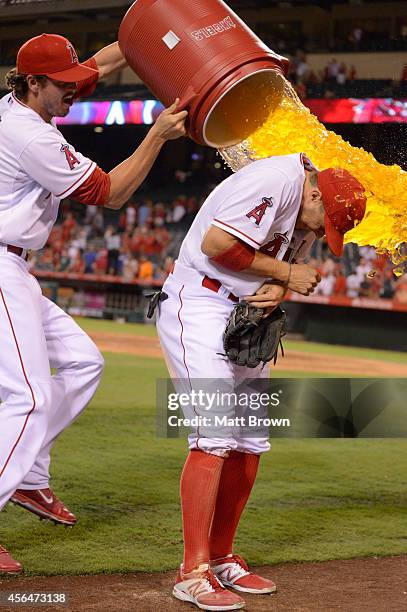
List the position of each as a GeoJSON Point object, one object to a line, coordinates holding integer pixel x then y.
{"type": "Point", "coordinates": [201, 52]}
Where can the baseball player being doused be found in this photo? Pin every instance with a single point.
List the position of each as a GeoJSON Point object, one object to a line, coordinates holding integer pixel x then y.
{"type": "Point", "coordinates": [248, 242]}
{"type": "Point", "coordinates": [38, 168]}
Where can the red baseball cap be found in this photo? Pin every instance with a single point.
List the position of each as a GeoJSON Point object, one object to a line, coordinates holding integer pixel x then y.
{"type": "Point", "coordinates": [53, 56]}
{"type": "Point", "coordinates": [344, 202]}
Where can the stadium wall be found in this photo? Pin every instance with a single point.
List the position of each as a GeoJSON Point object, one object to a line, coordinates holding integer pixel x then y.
{"type": "Point", "coordinates": [333, 320]}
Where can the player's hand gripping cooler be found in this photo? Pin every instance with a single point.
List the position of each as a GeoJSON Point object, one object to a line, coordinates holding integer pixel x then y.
{"type": "Point", "coordinates": [250, 339]}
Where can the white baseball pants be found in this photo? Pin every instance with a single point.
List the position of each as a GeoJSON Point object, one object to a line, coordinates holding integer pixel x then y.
{"type": "Point", "coordinates": [190, 326]}
{"type": "Point", "coordinates": [36, 335]}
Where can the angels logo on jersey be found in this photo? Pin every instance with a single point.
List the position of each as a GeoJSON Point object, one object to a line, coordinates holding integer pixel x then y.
{"type": "Point", "coordinates": [258, 212]}
{"type": "Point", "coordinates": [294, 250]}
{"type": "Point", "coordinates": [272, 248]}
{"type": "Point", "coordinates": [70, 157]}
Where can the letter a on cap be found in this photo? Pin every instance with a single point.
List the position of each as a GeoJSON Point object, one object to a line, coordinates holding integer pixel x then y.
{"type": "Point", "coordinates": [73, 53]}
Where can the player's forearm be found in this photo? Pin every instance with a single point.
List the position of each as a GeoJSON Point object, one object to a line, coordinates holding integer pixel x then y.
{"type": "Point", "coordinates": [128, 176]}
{"type": "Point", "coordinates": [109, 60]}
{"type": "Point", "coordinates": [220, 246]}
{"type": "Point", "coordinates": [267, 267]}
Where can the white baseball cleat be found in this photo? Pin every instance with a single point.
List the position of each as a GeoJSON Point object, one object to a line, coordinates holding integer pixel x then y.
{"type": "Point", "coordinates": [202, 588]}
{"type": "Point", "coordinates": [232, 571]}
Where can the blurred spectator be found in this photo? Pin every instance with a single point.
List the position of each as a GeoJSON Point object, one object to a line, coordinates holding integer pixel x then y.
{"type": "Point", "coordinates": [68, 226]}
{"type": "Point", "coordinates": [113, 243]}
{"type": "Point", "coordinates": [77, 264]}
{"type": "Point", "coordinates": [160, 274]}
{"type": "Point", "coordinates": [401, 290]}
{"type": "Point", "coordinates": [100, 263]}
{"type": "Point", "coordinates": [162, 240]}
{"type": "Point", "coordinates": [387, 290]}
{"type": "Point", "coordinates": [326, 285]}
{"type": "Point", "coordinates": [126, 240]}
{"type": "Point", "coordinates": [179, 209]}
{"type": "Point", "coordinates": [131, 215]}
{"type": "Point", "coordinates": [144, 212]}
{"type": "Point", "coordinates": [90, 214]}
{"type": "Point", "coordinates": [45, 259]}
{"type": "Point", "coordinates": [302, 68]}
{"type": "Point", "coordinates": [331, 70]}
{"type": "Point", "coordinates": [146, 270]}
{"type": "Point", "coordinates": [98, 221]}
{"type": "Point", "coordinates": [79, 238]}
{"type": "Point", "coordinates": [341, 76]}
{"type": "Point", "coordinates": [89, 258]}
{"type": "Point", "coordinates": [137, 240]}
{"type": "Point", "coordinates": [340, 281]}
{"type": "Point", "coordinates": [130, 269]}
{"type": "Point", "coordinates": [353, 283]}
{"type": "Point", "coordinates": [159, 214]}
{"type": "Point", "coordinates": [362, 269]}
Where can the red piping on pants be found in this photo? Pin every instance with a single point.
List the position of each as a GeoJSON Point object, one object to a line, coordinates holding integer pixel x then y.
{"type": "Point", "coordinates": [26, 380]}
{"type": "Point", "coordinates": [184, 352]}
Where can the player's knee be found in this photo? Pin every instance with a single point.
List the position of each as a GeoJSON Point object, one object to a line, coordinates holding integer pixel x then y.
{"type": "Point", "coordinates": [39, 394]}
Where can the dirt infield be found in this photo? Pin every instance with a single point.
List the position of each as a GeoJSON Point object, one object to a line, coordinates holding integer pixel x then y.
{"type": "Point", "coordinates": [377, 585]}
{"type": "Point", "coordinates": [295, 361]}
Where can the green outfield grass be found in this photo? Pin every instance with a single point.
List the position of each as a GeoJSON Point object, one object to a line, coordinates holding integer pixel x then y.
{"type": "Point", "coordinates": [94, 325]}
{"type": "Point", "coordinates": [314, 499]}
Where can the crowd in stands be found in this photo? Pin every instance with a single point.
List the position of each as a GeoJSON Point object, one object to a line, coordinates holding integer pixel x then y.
{"type": "Point", "coordinates": [343, 36]}
{"type": "Point", "coordinates": [359, 273]}
{"type": "Point", "coordinates": [136, 246]}
{"type": "Point", "coordinates": [141, 244]}
{"type": "Point", "coordinates": [349, 36]}
{"type": "Point", "coordinates": [338, 79]}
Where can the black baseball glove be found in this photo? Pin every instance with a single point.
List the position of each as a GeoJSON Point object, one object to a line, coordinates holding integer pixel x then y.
{"type": "Point", "coordinates": [249, 339]}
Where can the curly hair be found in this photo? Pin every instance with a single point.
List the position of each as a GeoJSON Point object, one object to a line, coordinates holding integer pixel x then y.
{"type": "Point", "coordinates": [18, 84]}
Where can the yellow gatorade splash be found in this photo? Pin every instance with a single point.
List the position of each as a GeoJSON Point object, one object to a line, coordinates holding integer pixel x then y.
{"type": "Point", "coordinates": [291, 128]}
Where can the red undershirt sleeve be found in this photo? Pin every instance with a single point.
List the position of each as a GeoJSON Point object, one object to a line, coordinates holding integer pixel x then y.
{"type": "Point", "coordinates": [237, 257]}
{"type": "Point", "coordinates": [95, 190]}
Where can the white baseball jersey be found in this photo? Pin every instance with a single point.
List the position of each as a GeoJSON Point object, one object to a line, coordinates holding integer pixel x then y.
{"type": "Point", "coordinates": [37, 169]}
{"type": "Point", "coordinates": [259, 204]}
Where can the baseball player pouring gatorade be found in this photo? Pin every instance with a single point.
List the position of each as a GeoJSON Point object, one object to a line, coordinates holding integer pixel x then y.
{"type": "Point", "coordinates": [248, 241]}
{"type": "Point", "coordinates": [38, 168]}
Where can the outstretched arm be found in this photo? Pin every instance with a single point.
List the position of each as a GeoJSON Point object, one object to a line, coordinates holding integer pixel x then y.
{"type": "Point", "coordinates": [109, 60]}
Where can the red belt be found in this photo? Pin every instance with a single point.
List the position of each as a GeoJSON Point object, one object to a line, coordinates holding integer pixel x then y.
{"type": "Point", "coordinates": [215, 285]}
{"type": "Point", "coordinates": [16, 250]}
{"type": "Point", "coordinates": [210, 283]}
